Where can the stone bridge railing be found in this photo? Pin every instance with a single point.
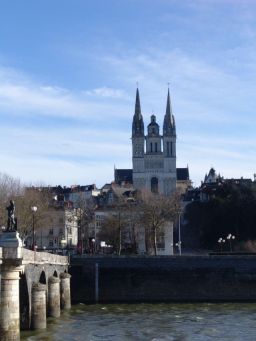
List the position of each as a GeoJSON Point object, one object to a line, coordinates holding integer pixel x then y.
{"type": "Point", "coordinates": [32, 284]}
{"type": "Point", "coordinates": [32, 257]}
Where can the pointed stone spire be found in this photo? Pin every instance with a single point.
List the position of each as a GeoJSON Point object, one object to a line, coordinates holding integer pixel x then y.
{"type": "Point", "coordinates": [137, 124]}
{"type": "Point", "coordinates": [169, 123]}
{"type": "Point", "coordinates": [168, 106]}
{"type": "Point", "coordinates": [137, 104]}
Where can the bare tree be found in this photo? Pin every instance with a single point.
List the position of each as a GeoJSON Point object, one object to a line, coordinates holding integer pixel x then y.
{"type": "Point", "coordinates": [30, 197]}
{"type": "Point", "coordinates": [118, 229]}
{"type": "Point", "coordinates": [10, 188]}
{"type": "Point", "coordinates": [85, 213]}
{"type": "Point", "coordinates": [155, 211]}
{"type": "Point", "coordinates": [24, 198]}
{"type": "Point", "coordinates": [112, 230]}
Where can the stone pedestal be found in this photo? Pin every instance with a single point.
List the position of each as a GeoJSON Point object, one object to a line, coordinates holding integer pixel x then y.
{"type": "Point", "coordinates": [10, 239]}
{"type": "Point", "coordinates": [9, 308]}
{"type": "Point", "coordinates": [54, 297]}
{"type": "Point", "coordinates": [38, 306]}
{"type": "Point", "coordinates": [65, 299]}
{"type": "Point", "coordinates": [11, 244]}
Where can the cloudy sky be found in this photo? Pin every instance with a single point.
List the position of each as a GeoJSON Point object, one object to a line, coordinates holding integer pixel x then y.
{"type": "Point", "coordinates": [68, 73]}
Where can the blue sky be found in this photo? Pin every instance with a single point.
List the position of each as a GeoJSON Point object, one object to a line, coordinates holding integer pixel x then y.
{"type": "Point", "coordinates": [68, 73]}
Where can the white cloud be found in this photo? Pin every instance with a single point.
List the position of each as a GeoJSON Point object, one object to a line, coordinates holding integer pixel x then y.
{"type": "Point", "coordinates": [57, 172]}
{"type": "Point", "coordinates": [212, 107]}
{"type": "Point", "coordinates": [20, 95]}
{"type": "Point", "coordinates": [108, 92]}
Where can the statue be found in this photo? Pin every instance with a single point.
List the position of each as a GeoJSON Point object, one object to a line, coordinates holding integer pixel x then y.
{"type": "Point", "coordinates": [12, 221]}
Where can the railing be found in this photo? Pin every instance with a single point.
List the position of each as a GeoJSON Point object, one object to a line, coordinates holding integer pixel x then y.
{"type": "Point", "coordinates": [43, 257]}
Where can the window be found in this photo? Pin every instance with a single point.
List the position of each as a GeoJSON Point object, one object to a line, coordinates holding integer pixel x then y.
{"type": "Point", "coordinates": [155, 147]}
{"type": "Point", "coordinates": [50, 243]}
{"type": "Point", "coordinates": [151, 147]}
{"type": "Point", "coordinates": [171, 148]}
{"type": "Point", "coordinates": [168, 148]}
{"type": "Point", "coordinates": [51, 231]}
{"type": "Point", "coordinates": [154, 185]}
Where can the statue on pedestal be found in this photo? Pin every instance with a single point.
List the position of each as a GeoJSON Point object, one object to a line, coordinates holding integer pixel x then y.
{"type": "Point", "coordinates": [12, 221]}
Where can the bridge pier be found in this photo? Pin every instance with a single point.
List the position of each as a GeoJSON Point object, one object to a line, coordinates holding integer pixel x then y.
{"type": "Point", "coordinates": [54, 296]}
{"type": "Point", "coordinates": [35, 268]}
{"type": "Point", "coordinates": [10, 309]}
{"type": "Point", "coordinates": [38, 306]}
{"type": "Point", "coordinates": [65, 297]}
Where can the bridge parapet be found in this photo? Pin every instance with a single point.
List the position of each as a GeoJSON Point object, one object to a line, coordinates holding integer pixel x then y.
{"type": "Point", "coordinates": [32, 257]}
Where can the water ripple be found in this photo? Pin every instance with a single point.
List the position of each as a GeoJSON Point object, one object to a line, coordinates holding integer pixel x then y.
{"type": "Point", "coordinates": [151, 322]}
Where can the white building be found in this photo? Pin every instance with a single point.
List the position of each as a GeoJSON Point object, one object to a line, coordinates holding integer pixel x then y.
{"type": "Point", "coordinates": [60, 231]}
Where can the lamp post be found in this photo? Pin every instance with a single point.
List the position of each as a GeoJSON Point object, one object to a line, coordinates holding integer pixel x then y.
{"type": "Point", "coordinates": [221, 241]}
{"type": "Point", "coordinates": [33, 209]}
{"type": "Point", "coordinates": [179, 213]}
{"type": "Point", "coordinates": [93, 245]}
{"type": "Point", "coordinates": [230, 237]}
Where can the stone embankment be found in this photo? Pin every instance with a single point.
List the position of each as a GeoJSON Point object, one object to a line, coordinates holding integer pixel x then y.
{"type": "Point", "coordinates": [164, 279]}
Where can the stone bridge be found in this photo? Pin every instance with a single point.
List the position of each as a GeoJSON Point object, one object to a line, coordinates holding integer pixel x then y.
{"type": "Point", "coordinates": [34, 285]}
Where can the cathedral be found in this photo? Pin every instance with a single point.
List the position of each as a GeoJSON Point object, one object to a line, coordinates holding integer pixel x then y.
{"type": "Point", "coordinates": [154, 167]}
{"type": "Point", "coordinates": [154, 155]}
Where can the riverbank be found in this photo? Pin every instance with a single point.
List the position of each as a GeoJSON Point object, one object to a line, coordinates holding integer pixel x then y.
{"type": "Point", "coordinates": [211, 278]}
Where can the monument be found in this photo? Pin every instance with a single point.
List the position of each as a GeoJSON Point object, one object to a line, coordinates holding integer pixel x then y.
{"type": "Point", "coordinates": [10, 236]}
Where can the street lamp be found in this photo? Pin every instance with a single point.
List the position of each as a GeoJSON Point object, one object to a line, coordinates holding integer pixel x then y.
{"type": "Point", "coordinates": [179, 213]}
{"type": "Point", "coordinates": [221, 241]}
{"type": "Point", "coordinates": [230, 237]}
{"type": "Point", "coordinates": [93, 245]}
{"type": "Point", "coordinates": [33, 209]}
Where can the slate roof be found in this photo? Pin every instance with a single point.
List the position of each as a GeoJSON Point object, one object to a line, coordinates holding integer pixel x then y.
{"type": "Point", "coordinates": [123, 175]}
{"type": "Point", "coordinates": [182, 174]}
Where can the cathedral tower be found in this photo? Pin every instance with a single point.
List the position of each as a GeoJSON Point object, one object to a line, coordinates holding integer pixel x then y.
{"type": "Point", "coordinates": [155, 169]}
{"type": "Point", "coordinates": [138, 141]}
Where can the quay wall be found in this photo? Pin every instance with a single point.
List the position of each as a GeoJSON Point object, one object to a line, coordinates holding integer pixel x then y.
{"type": "Point", "coordinates": [163, 279]}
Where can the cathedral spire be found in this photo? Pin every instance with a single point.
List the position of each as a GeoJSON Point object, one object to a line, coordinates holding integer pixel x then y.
{"type": "Point", "coordinates": [137, 104]}
{"type": "Point", "coordinates": [169, 123]}
{"type": "Point", "coordinates": [137, 124]}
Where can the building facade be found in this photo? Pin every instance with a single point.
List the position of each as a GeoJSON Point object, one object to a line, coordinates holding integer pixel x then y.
{"type": "Point", "coordinates": [153, 154]}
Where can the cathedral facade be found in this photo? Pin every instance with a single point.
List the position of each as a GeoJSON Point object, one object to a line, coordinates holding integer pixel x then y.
{"type": "Point", "coordinates": [153, 154]}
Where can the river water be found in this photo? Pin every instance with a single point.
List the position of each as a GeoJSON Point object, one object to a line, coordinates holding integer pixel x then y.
{"type": "Point", "coordinates": [151, 322]}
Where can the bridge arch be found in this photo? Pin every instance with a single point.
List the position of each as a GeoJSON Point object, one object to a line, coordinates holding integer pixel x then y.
{"type": "Point", "coordinates": [42, 278]}
{"type": "Point", "coordinates": [55, 274]}
{"type": "Point", "coordinates": [24, 302]}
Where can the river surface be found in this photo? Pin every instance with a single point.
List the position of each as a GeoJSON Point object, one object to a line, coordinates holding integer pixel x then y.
{"type": "Point", "coordinates": [151, 322]}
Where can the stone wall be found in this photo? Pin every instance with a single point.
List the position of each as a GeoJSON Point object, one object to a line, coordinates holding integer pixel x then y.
{"type": "Point", "coordinates": [164, 279]}
{"type": "Point", "coordinates": [29, 256]}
